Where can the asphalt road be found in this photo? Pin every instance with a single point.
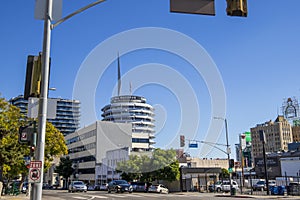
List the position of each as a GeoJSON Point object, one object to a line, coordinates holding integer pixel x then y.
{"type": "Point", "coordinates": [100, 195]}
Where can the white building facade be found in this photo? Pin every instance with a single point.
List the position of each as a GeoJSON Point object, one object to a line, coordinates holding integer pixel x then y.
{"type": "Point", "coordinates": [88, 146]}
{"type": "Point", "coordinates": [135, 110]}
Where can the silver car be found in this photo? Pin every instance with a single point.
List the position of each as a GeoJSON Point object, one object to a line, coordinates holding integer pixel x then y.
{"type": "Point", "coordinates": [77, 186]}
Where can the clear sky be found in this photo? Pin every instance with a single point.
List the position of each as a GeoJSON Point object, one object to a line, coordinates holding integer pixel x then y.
{"type": "Point", "coordinates": [255, 58]}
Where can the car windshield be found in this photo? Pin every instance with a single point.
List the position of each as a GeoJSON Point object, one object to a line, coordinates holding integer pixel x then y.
{"type": "Point", "coordinates": [121, 182]}
{"type": "Point", "coordinates": [78, 183]}
{"type": "Point", "coordinates": [261, 182]}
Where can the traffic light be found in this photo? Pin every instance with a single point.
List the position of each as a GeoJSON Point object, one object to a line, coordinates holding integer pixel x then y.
{"type": "Point", "coordinates": [27, 135]}
{"type": "Point", "coordinates": [231, 163]}
{"type": "Point", "coordinates": [182, 141]}
{"type": "Point", "coordinates": [33, 76]}
{"type": "Point", "coordinates": [23, 135]}
{"type": "Point", "coordinates": [237, 8]}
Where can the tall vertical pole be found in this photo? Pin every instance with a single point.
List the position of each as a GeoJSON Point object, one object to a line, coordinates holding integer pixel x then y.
{"type": "Point", "coordinates": [265, 166]}
{"type": "Point", "coordinates": [42, 114]}
{"type": "Point", "coordinates": [228, 154]}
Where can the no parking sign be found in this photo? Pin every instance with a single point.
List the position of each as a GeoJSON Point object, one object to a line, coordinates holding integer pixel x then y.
{"type": "Point", "coordinates": [35, 171]}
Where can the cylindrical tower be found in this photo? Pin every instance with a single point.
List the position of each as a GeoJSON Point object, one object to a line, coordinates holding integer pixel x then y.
{"type": "Point", "coordinates": [135, 110]}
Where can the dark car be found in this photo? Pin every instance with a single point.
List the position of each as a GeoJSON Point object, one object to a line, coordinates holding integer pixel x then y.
{"type": "Point", "coordinates": [139, 186]}
{"type": "Point", "coordinates": [101, 187]}
{"type": "Point", "coordinates": [119, 186]}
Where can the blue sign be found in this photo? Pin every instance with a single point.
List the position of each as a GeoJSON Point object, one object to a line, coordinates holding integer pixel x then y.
{"type": "Point", "coordinates": [193, 145]}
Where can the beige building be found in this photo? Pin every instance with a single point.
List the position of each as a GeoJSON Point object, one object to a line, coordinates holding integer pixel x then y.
{"type": "Point", "coordinates": [296, 133]}
{"type": "Point", "coordinates": [278, 134]}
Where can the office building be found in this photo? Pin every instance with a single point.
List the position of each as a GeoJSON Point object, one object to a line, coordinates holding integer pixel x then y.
{"type": "Point", "coordinates": [88, 146]}
{"type": "Point", "coordinates": [67, 118]}
{"type": "Point", "coordinates": [134, 110]}
{"type": "Point", "coordinates": [277, 136]}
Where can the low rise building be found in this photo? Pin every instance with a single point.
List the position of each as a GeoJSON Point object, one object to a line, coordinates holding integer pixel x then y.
{"type": "Point", "coordinates": [88, 146]}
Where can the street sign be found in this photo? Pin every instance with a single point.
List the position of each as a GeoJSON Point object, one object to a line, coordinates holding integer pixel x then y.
{"type": "Point", "coordinates": [193, 145]}
{"type": "Point", "coordinates": [35, 171]}
{"type": "Point", "coordinates": [33, 108]}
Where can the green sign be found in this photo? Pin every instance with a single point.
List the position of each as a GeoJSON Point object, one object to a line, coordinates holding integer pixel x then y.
{"type": "Point", "coordinates": [248, 136]}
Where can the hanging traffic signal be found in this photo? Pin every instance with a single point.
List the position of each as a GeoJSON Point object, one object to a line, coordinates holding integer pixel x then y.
{"type": "Point", "coordinates": [33, 77]}
{"type": "Point", "coordinates": [237, 8]}
{"type": "Point", "coordinates": [231, 163]}
{"type": "Point", "coordinates": [182, 141]}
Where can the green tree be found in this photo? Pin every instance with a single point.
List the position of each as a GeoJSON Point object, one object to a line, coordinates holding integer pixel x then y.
{"type": "Point", "coordinates": [55, 144]}
{"type": "Point", "coordinates": [12, 153]}
{"type": "Point", "coordinates": [161, 165]}
{"type": "Point", "coordinates": [224, 174]}
{"type": "Point", "coordinates": [65, 168]}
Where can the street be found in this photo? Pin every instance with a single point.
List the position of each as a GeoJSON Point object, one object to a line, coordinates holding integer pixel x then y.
{"type": "Point", "coordinates": [99, 195]}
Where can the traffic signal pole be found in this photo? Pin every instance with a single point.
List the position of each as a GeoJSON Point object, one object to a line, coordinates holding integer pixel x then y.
{"type": "Point", "coordinates": [42, 113]}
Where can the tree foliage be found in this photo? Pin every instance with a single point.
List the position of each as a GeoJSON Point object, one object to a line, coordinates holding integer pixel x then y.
{"type": "Point", "coordinates": [55, 144]}
{"type": "Point", "coordinates": [12, 153]}
{"type": "Point", "coordinates": [65, 168]}
{"type": "Point", "coordinates": [161, 165]}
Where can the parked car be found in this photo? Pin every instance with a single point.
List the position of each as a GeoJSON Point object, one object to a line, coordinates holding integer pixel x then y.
{"type": "Point", "coordinates": [139, 186]}
{"type": "Point", "coordinates": [261, 185]}
{"type": "Point", "coordinates": [226, 186]}
{"type": "Point", "coordinates": [102, 187]}
{"type": "Point", "coordinates": [158, 188]}
{"type": "Point", "coordinates": [77, 186]}
{"type": "Point", "coordinates": [223, 186]}
{"type": "Point", "coordinates": [119, 186]}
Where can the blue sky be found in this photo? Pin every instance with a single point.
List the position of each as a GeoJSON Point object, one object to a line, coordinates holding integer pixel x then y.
{"type": "Point", "coordinates": [257, 58]}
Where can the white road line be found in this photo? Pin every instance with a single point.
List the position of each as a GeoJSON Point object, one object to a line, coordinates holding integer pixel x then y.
{"type": "Point", "coordinates": [98, 197]}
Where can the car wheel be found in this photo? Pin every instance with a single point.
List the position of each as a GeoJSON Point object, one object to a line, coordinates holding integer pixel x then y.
{"type": "Point", "coordinates": [69, 190]}
{"type": "Point", "coordinates": [218, 189]}
{"type": "Point", "coordinates": [108, 191]}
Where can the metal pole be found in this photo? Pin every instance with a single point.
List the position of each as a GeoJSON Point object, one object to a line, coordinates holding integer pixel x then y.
{"type": "Point", "coordinates": [42, 114]}
{"type": "Point", "coordinates": [228, 154]}
{"type": "Point", "coordinates": [265, 166]}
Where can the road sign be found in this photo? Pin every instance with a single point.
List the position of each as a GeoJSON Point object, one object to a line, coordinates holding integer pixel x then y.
{"type": "Point", "coordinates": [35, 171]}
{"type": "Point", "coordinates": [193, 145]}
{"type": "Point", "coordinates": [33, 107]}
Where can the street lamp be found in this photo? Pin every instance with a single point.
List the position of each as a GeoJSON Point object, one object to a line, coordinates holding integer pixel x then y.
{"type": "Point", "coordinates": [228, 148]}
{"type": "Point", "coordinates": [42, 113]}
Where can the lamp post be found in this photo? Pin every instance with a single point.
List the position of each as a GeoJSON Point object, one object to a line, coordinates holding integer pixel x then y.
{"type": "Point", "coordinates": [228, 148]}
{"type": "Point", "coordinates": [42, 113]}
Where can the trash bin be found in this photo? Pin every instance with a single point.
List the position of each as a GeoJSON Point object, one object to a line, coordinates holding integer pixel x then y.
{"type": "Point", "coordinates": [233, 191]}
{"type": "Point", "coordinates": [281, 190]}
{"type": "Point", "coordinates": [274, 190]}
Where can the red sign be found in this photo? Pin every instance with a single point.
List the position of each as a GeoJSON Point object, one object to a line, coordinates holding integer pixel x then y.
{"type": "Point", "coordinates": [35, 171]}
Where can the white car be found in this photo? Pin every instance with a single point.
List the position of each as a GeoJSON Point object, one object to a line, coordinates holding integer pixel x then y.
{"type": "Point", "coordinates": [158, 188]}
{"type": "Point", "coordinates": [225, 186]}
{"type": "Point", "coordinates": [77, 186]}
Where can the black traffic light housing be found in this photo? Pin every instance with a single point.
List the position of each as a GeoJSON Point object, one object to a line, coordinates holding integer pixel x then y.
{"type": "Point", "coordinates": [27, 135]}
{"type": "Point", "coordinates": [237, 8]}
{"type": "Point", "coordinates": [182, 141]}
{"type": "Point", "coordinates": [231, 163]}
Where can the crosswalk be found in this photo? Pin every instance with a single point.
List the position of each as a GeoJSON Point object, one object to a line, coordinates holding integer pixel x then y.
{"type": "Point", "coordinates": [117, 196]}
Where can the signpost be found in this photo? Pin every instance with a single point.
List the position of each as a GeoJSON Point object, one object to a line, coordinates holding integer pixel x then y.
{"type": "Point", "coordinates": [35, 172]}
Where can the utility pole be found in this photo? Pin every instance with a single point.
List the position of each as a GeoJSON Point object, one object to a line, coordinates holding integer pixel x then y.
{"type": "Point", "coordinates": [228, 154]}
{"type": "Point", "coordinates": [42, 113]}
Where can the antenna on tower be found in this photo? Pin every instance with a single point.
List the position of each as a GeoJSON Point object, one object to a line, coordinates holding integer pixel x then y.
{"type": "Point", "coordinates": [130, 88]}
{"type": "Point", "coordinates": [119, 75]}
